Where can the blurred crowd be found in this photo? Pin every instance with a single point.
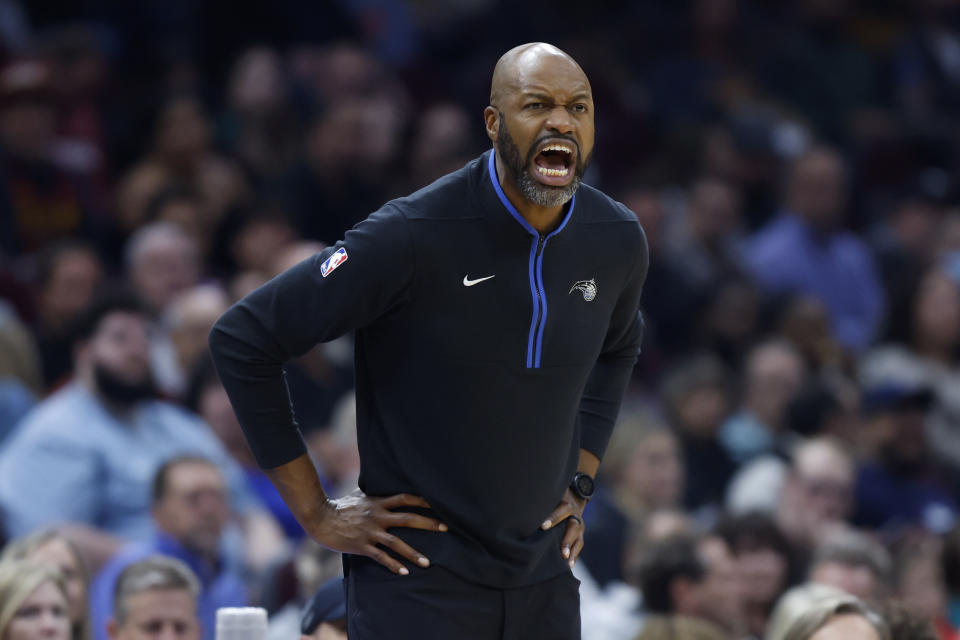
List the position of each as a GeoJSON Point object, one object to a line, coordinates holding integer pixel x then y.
{"type": "Point", "coordinates": [793, 424]}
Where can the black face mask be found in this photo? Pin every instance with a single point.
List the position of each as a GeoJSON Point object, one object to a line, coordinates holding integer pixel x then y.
{"type": "Point", "coordinates": [121, 391]}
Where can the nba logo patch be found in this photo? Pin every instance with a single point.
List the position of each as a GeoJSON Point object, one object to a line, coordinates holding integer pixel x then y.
{"type": "Point", "coordinates": [339, 257]}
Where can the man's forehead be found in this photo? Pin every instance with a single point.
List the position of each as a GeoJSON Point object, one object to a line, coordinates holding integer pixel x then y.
{"type": "Point", "coordinates": [549, 74]}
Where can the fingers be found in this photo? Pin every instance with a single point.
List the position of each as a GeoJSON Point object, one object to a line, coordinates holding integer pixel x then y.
{"type": "Point", "coordinates": [401, 548]}
{"type": "Point", "coordinates": [575, 552]}
{"type": "Point", "coordinates": [562, 511]}
{"type": "Point", "coordinates": [386, 560]}
{"type": "Point", "coordinates": [573, 534]}
{"type": "Point", "coordinates": [412, 521]}
{"type": "Point", "coordinates": [403, 500]}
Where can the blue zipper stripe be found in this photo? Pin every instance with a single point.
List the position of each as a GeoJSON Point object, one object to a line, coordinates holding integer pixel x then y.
{"type": "Point", "coordinates": [535, 270]}
{"type": "Point", "coordinates": [543, 293]}
{"type": "Point", "coordinates": [531, 340]}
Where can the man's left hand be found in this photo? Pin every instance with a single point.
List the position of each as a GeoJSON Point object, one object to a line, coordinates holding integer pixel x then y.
{"type": "Point", "coordinates": [570, 509]}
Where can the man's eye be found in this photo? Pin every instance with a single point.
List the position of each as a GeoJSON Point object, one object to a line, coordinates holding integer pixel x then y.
{"type": "Point", "coordinates": [579, 108]}
{"type": "Point", "coordinates": [535, 105]}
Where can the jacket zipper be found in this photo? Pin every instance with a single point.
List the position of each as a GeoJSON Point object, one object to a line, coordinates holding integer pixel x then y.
{"type": "Point", "coordinates": [541, 240]}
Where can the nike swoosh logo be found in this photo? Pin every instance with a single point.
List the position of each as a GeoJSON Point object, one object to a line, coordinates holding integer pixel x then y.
{"type": "Point", "coordinates": [467, 282]}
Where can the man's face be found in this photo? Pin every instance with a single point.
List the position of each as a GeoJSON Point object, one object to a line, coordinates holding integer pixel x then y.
{"type": "Point", "coordinates": [857, 580]}
{"type": "Point", "coordinates": [73, 283]}
{"type": "Point", "coordinates": [543, 129]}
{"type": "Point", "coordinates": [194, 507]}
{"type": "Point", "coordinates": [164, 269]}
{"type": "Point", "coordinates": [118, 355]}
{"type": "Point", "coordinates": [818, 190]}
{"type": "Point", "coordinates": [721, 593]}
{"type": "Point", "coordinates": [158, 614]}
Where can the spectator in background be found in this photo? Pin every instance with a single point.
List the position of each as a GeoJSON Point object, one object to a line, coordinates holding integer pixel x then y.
{"type": "Point", "coordinates": [156, 596]}
{"type": "Point", "coordinates": [805, 322]}
{"type": "Point", "coordinates": [182, 153]}
{"type": "Point", "coordinates": [40, 201]}
{"type": "Point", "coordinates": [855, 563]}
{"type": "Point", "coordinates": [206, 397]}
{"type": "Point", "coordinates": [288, 594]}
{"type": "Point", "coordinates": [706, 251]}
{"type": "Point", "coordinates": [899, 485]}
{"type": "Point", "coordinates": [774, 374]}
{"type": "Point", "coordinates": [33, 603]}
{"type": "Point", "coordinates": [19, 371]}
{"type": "Point", "coordinates": [926, 76]}
{"type": "Point", "coordinates": [902, 245]}
{"type": "Point", "coordinates": [190, 507]}
{"type": "Point", "coordinates": [697, 401]}
{"type": "Point", "coordinates": [764, 565]}
{"type": "Point", "coordinates": [443, 143]}
{"type": "Point", "coordinates": [642, 472]}
{"type": "Point", "coordinates": [162, 261]}
{"type": "Point", "coordinates": [334, 448]}
{"type": "Point", "coordinates": [817, 495]}
{"type": "Point", "coordinates": [252, 238]}
{"type": "Point", "coordinates": [182, 206]}
{"type": "Point", "coordinates": [350, 155]}
{"type": "Point", "coordinates": [260, 127]}
{"type": "Point", "coordinates": [923, 349]}
{"type": "Point", "coordinates": [951, 571]}
{"type": "Point", "coordinates": [693, 577]}
{"type": "Point", "coordinates": [905, 625]}
{"type": "Point", "coordinates": [831, 617]}
{"type": "Point", "coordinates": [69, 274]}
{"type": "Point", "coordinates": [181, 336]}
{"type": "Point", "coordinates": [85, 456]}
{"type": "Point", "coordinates": [919, 585]}
{"type": "Point", "coordinates": [49, 548]}
{"type": "Point", "coordinates": [805, 251]}
{"type": "Point", "coordinates": [728, 319]}
{"type": "Point", "coordinates": [325, 617]}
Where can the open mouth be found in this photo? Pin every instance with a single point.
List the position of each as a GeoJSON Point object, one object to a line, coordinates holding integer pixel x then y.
{"type": "Point", "coordinates": [554, 163]}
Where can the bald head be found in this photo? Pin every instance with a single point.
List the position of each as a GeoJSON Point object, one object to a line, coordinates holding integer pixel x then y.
{"type": "Point", "coordinates": [540, 120]}
{"type": "Point", "coordinates": [520, 62]}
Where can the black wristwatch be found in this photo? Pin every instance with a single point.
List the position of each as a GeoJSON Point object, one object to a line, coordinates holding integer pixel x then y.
{"type": "Point", "coordinates": [582, 485]}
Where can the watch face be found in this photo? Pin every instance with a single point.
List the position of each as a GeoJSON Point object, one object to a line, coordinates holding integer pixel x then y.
{"type": "Point", "coordinates": [584, 485]}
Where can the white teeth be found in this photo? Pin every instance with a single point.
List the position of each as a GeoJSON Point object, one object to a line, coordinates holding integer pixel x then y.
{"type": "Point", "coordinates": [556, 173]}
{"type": "Point", "coordinates": [558, 147]}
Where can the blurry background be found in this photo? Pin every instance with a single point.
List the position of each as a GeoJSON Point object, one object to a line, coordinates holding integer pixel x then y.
{"type": "Point", "coordinates": [795, 412]}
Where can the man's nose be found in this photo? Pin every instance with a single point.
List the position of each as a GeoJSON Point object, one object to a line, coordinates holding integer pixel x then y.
{"type": "Point", "coordinates": [560, 120]}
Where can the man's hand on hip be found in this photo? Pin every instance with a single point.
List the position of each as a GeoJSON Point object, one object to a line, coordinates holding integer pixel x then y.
{"type": "Point", "coordinates": [358, 524]}
{"type": "Point", "coordinates": [570, 509]}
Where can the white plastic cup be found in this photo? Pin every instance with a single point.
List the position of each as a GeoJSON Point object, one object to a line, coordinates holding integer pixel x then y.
{"type": "Point", "coordinates": [241, 623]}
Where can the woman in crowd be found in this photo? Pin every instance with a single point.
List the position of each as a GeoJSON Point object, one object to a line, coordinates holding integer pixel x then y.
{"type": "Point", "coordinates": [33, 603]}
{"type": "Point", "coordinates": [49, 548]}
{"type": "Point", "coordinates": [820, 612]}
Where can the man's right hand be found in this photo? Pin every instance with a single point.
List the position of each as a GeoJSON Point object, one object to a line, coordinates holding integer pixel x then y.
{"type": "Point", "coordinates": [357, 524]}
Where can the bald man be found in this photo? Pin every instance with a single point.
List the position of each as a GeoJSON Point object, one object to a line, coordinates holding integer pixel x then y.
{"type": "Point", "coordinates": [496, 329]}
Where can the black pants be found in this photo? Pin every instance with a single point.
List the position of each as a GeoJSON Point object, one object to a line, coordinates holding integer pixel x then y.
{"type": "Point", "coordinates": [435, 604]}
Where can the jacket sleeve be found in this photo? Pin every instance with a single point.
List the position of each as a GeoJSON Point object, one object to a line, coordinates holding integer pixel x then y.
{"type": "Point", "coordinates": [608, 381]}
{"type": "Point", "coordinates": [342, 288]}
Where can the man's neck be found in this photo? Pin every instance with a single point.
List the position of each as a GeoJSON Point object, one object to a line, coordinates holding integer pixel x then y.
{"type": "Point", "coordinates": [543, 219]}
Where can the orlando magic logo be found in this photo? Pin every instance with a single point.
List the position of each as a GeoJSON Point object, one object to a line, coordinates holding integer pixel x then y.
{"type": "Point", "coordinates": [587, 287]}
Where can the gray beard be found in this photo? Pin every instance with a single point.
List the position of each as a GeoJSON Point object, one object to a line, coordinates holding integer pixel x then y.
{"type": "Point", "coordinates": [539, 194]}
{"type": "Point", "coordinates": [544, 195]}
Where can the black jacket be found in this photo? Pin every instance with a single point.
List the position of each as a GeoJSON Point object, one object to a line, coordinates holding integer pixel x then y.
{"type": "Point", "coordinates": [486, 357]}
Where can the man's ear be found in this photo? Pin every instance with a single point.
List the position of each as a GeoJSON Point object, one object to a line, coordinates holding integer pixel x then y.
{"type": "Point", "coordinates": [112, 629]}
{"type": "Point", "coordinates": [491, 118]}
